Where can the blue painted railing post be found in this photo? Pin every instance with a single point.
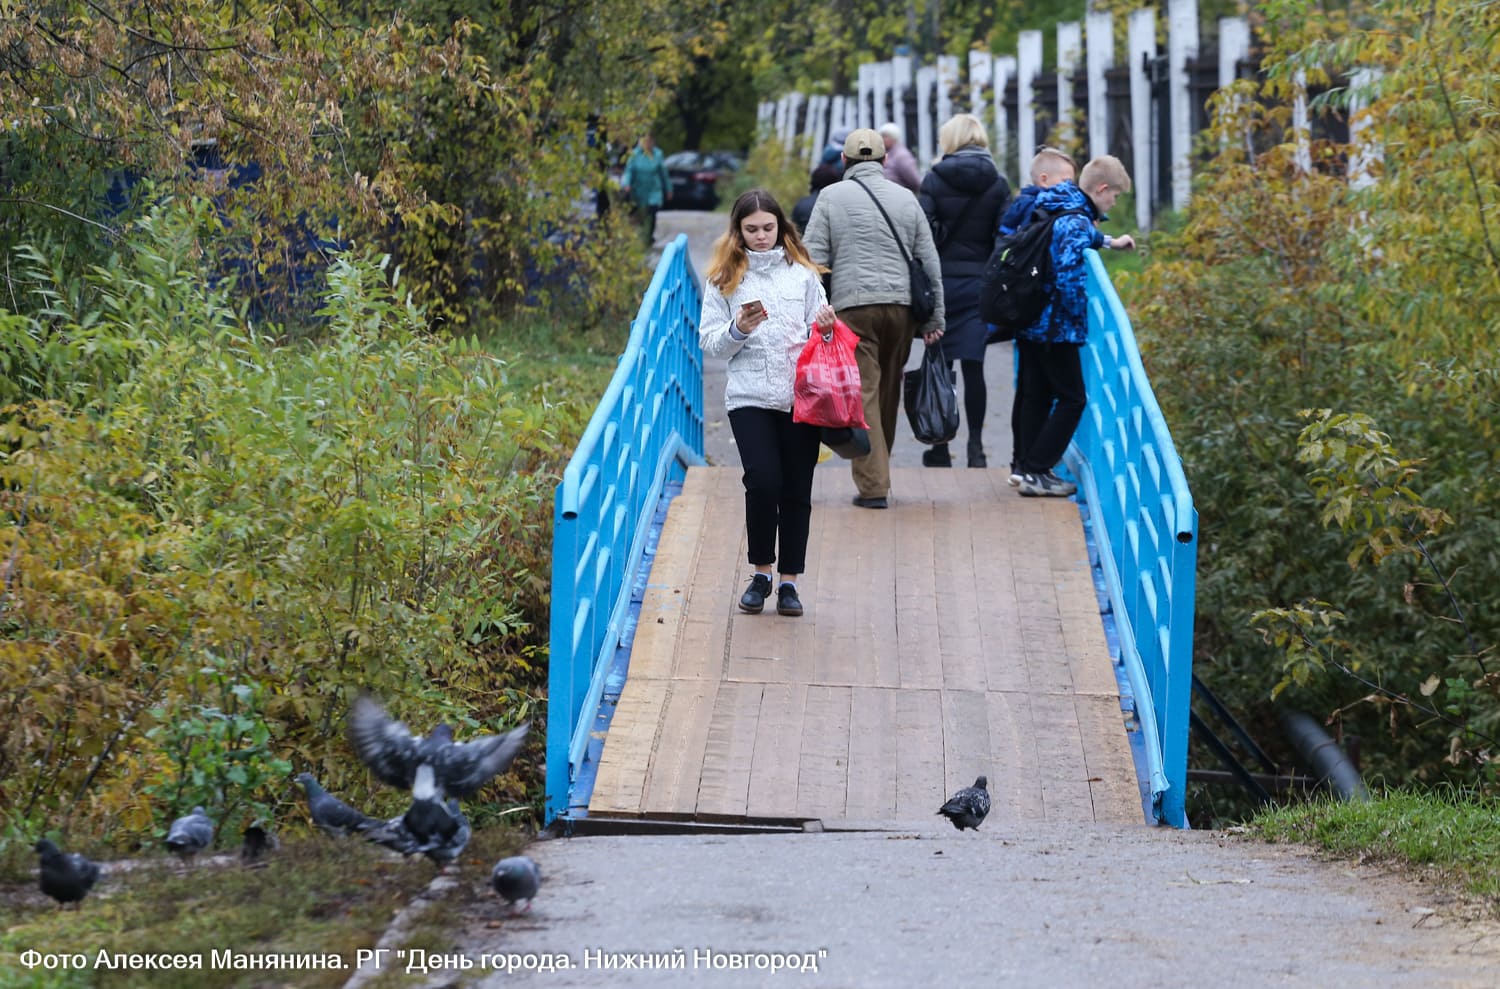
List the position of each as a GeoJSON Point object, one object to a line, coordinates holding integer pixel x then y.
{"type": "Point", "coordinates": [1146, 529]}
{"type": "Point", "coordinates": [647, 428]}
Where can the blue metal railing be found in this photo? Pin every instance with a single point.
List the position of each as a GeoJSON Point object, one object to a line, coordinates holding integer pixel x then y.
{"type": "Point", "coordinates": [1146, 530]}
{"type": "Point", "coordinates": [646, 430]}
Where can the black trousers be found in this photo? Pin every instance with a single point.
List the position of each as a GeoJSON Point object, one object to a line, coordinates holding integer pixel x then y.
{"type": "Point", "coordinates": [779, 456]}
{"type": "Point", "coordinates": [1050, 399]}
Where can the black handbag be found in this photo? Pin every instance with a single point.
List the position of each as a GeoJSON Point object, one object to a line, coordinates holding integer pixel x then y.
{"type": "Point", "coordinates": [923, 296]}
{"type": "Point", "coordinates": [850, 442]}
{"type": "Point", "coordinates": [931, 399]}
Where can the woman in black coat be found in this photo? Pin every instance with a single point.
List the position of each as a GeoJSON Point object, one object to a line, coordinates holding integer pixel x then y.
{"type": "Point", "coordinates": [964, 195]}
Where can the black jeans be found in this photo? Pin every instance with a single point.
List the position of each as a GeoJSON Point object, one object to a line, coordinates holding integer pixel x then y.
{"type": "Point", "coordinates": [779, 456]}
{"type": "Point", "coordinates": [1050, 399]}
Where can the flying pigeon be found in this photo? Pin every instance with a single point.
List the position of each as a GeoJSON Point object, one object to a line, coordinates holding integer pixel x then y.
{"type": "Point", "coordinates": [335, 817]}
{"type": "Point", "coordinates": [968, 806]}
{"type": "Point", "coordinates": [436, 763]}
{"type": "Point", "coordinates": [516, 878]}
{"type": "Point", "coordinates": [257, 844]}
{"type": "Point", "coordinates": [430, 827]}
{"type": "Point", "coordinates": [67, 878]}
{"type": "Point", "coordinates": [190, 834]}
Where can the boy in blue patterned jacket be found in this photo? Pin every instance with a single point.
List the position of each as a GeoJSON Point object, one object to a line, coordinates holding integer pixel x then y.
{"type": "Point", "coordinates": [1050, 395]}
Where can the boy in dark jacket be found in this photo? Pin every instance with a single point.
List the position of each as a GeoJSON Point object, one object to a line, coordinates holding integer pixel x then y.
{"type": "Point", "coordinates": [1050, 395]}
{"type": "Point", "coordinates": [1049, 166]}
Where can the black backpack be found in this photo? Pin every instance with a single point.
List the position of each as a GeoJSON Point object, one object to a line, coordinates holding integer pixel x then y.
{"type": "Point", "coordinates": [1017, 280]}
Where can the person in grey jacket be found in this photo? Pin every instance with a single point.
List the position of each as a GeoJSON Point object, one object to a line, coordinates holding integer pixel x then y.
{"type": "Point", "coordinates": [871, 290]}
{"type": "Point", "coordinates": [761, 295]}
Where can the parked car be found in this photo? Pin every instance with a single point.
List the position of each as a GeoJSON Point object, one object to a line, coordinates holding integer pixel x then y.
{"type": "Point", "coordinates": [698, 175]}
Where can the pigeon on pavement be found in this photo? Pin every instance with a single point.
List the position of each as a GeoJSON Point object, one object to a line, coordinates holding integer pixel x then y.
{"type": "Point", "coordinates": [437, 762]}
{"type": "Point", "coordinates": [516, 878]}
{"type": "Point", "coordinates": [190, 834]}
{"type": "Point", "coordinates": [968, 806]}
{"type": "Point", "coordinates": [66, 877]}
{"type": "Point", "coordinates": [335, 817]}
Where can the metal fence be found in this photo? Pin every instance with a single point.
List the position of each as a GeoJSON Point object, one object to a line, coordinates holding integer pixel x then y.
{"type": "Point", "coordinates": [647, 429]}
{"type": "Point", "coordinates": [1146, 530]}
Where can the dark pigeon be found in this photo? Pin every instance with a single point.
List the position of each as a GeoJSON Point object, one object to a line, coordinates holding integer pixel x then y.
{"type": "Point", "coordinates": [66, 877]}
{"type": "Point", "coordinates": [401, 759]}
{"type": "Point", "coordinates": [336, 818]}
{"type": "Point", "coordinates": [256, 845]}
{"type": "Point", "coordinates": [968, 806]}
{"type": "Point", "coordinates": [430, 827]}
{"type": "Point", "coordinates": [190, 834]}
{"type": "Point", "coordinates": [516, 878]}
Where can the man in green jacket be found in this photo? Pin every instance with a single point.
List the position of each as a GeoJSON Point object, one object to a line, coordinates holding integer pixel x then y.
{"type": "Point", "coordinates": [648, 184]}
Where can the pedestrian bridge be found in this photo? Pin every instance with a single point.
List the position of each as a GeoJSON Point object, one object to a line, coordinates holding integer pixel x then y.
{"type": "Point", "coordinates": [1043, 643]}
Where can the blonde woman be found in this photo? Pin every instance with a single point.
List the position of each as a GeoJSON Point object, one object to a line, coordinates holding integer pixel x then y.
{"type": "Point", "coordinates": [963, 196]}
{"type": "Point", "coordinates": [761, 296]}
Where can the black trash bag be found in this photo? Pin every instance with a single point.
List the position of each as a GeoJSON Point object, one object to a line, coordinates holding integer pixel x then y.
{"type": "Point", "coordinates": [850, 442]}
{"type": "Point", "coordinates": [931, 399]}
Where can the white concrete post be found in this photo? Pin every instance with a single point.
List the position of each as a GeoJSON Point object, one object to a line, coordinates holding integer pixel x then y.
{"type": "Point", "coordinates": [947, 81]}
{"type": "Point", "coordinates": [1141, 31]}
{"type": "Point", "coordinates": [765, 119]}
{"type": "Point", "coordinates": [1302, 124]}
{"type": "Point", "coordinates": [901, 82]}
{"type": "Point", "coordinates": [1366, 147]}
{"type": "Point", "coordinates": [1028, 67]}
{"type": "Point", "coordinates": [1182, 45]}
{"type": "Point", "coordinates": [881, 87]}
{"type": "Point", "coordinates": [866, 88]}
{"type": "Point", "coordinates": [1004, 71]}
{"type": "Point", "coordinates": [927, 77]}
{"type": "Point", "coordinates": [817, 128]}
{"type": "Point", "coordinates": [1099, 35]}
{"type": "Point", "coordinates": [1069, 48]}
{"type": "Point", "coordinates": [981, 71]}
{"type": "Point", "coordinates": [1234, 47]}
{"type": "Point", "coordinates": [793, 130]}
{"type": "Point", "coordinates": [783, 109]}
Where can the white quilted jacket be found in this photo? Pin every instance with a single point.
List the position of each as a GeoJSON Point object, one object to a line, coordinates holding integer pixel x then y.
{"type": "Point", "coordinates": [762, 366]}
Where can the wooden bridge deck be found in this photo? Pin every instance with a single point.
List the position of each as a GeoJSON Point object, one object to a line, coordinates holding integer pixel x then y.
{"type": "Point", "coordinates": [955, 634]}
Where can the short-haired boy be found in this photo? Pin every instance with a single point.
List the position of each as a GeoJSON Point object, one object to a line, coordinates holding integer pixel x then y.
{"type": "Point", "coordinates": [1050, 395]}
{"type": "Point", "coordinates": [1049, 166]}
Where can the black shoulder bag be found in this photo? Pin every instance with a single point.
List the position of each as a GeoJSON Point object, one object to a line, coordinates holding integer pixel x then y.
{"type": "Point", "coordinates": [923, 298]}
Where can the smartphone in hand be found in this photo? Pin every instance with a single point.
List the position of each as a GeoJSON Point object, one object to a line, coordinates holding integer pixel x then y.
{"type": "Point", "coordinates": [753, 306]}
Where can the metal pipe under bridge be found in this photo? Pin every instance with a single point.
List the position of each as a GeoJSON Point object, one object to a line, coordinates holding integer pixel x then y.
{"type": "Point", "coordinates": [1043, 643]}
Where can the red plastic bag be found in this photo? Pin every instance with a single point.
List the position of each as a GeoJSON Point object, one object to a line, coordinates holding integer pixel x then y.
{"type": "Point", "coordinates": [826, 389]}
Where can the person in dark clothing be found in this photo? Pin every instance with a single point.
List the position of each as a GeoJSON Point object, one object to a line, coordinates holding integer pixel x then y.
{"type": "Point", "coordinates": [822, 176]}
{"type": "Point", "coordinates": [963, 196]}
{"type": "Point", "coordinates": [1050, 397]}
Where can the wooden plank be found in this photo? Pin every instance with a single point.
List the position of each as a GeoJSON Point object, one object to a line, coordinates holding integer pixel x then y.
{"type": "Point", "coordinates": [966, 739]}
{"type": "Point", "coordinates": [919, 754]}
{"type": "Point", "coordinates": [724, 784]}
{"type": "Point", "coordinates": [918, 625]}
{"type": "Point", "coordinates": [957, 599]}
{"type": "Point", "coordinates": [872, 754]}
{"type": "Point", "coordinates": [823, 766]}
{"type": "Point", "coordinates": [778, 752]}
{"type": "Point", "coordinates": [625, 762]}
{"type": "Point", "coordinates": [1112, 782]}
{"type": "Point", "coordinates": [1015, 785]}
{"type": "Point", "coordinates": [677, 759]}
{"type": "Point", "coordinates": [1060, 764]}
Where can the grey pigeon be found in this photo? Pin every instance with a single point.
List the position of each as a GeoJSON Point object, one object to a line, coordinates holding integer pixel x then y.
{"type": "Point", "coordinates": [335, 817]}
{"type": "Point", "coordinates": [66, 877]}
{"type": "Point", "coordinates": [968, 806]}
{"type": "Point", "coordinates": [190, 834]}
{"type": "Point", "coordinates": [516, 878]}
{"type": "Point", "coordinates": [401, 759]}
{"type": "Point", "coordinates": [257, 844]}
{"type": "Point", "coordinates": [430, 827]}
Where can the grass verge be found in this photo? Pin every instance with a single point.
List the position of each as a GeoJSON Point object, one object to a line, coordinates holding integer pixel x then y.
{"type": "Point", "coordinates": [1452, 838]}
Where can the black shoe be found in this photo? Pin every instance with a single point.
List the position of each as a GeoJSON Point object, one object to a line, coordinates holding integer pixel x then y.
{"type": "Point", "coordinates": [1046, 485]}
{"type": "Point", "coordinates": [863, 502]}
{"type": "Point", "coordinates": [787, 602]}
{"type": "Point", "coordinates": [754, 598]}
{"type": "Point", "coordinates": [976, 456]}
{"type": "Point", "coordinates": [937, 456]}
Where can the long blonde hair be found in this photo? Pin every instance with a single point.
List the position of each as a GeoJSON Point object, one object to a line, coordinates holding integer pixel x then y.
{"type": "Point", "coordinates": [731, 256]}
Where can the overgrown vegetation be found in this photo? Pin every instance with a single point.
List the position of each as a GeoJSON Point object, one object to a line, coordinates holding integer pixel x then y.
{"type": "Point", "coordinates": [1445, 836]}
{"type": "Point", "coordinates": [1331, 342]}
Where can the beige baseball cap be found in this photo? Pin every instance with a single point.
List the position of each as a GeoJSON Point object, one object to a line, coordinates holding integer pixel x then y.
{"type": "Point", "coordinates": [864, 145]}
